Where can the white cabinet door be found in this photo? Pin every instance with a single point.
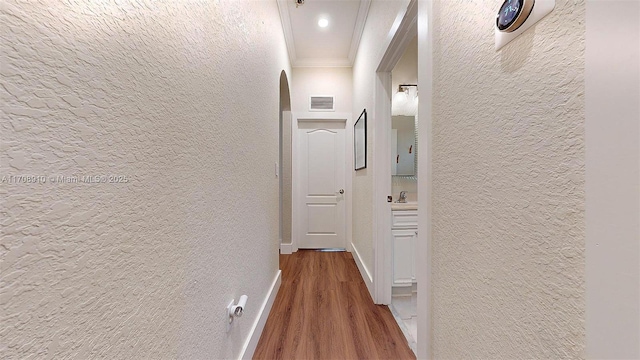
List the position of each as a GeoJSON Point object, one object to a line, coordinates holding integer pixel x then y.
{"type": "Point", "coordinates": [404, 269]}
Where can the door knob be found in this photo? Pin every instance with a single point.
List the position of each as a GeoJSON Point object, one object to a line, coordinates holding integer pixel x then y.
{"type": "Point", "coordinates": [341, 191]}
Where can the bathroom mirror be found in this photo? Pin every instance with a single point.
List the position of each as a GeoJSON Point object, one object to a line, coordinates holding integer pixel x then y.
{"type": "Point", "coordinates": [403, 145]}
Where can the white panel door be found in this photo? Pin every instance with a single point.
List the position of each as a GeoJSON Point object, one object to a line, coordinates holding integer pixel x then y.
{"type": "Point", "coordinates": [322, 176]}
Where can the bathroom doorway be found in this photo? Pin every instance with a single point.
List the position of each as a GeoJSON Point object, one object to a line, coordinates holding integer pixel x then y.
{"type": "Point", "coordinates": [396, 229]}
{"type": "Point", "coordinates": [404, 190]}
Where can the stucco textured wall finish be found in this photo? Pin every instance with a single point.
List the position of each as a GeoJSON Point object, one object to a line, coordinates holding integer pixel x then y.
{"type": "Point", "coordinates": [508, 185]}
{"type": "Point", "coordinates": [181, 97]}
{"type": "Point", "coordinates": [382, 13]}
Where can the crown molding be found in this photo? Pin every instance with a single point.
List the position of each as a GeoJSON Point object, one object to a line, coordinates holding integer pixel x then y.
{"type": "Point", "coordinates": [361, 20]}
{"type": "Point", "coordinates": [336, 62]}
{"type": "Point", "coordinates": [283, 9]}
{"type": "Point", "coordinates": [285, 19]}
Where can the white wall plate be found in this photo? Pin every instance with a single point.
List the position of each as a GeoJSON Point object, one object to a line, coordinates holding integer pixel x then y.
{"type": "Point", "coordinates": [541, 9]}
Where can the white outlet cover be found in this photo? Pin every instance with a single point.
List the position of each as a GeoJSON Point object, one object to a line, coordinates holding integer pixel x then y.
{"type": "Point", "coordinates": [541, 8]}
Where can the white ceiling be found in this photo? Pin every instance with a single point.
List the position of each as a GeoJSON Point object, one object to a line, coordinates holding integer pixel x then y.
{"type": "Point", "coordinates": [310, 45]}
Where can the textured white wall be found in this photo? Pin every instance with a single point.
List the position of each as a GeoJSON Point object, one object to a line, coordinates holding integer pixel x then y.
{"type": "Point", "coordinates": [508, 185]}
{"type": "Point", "coordinates": [379, 21]}
{"type": "Point", "coordinates": [182, 98]}
{"type": "Point", "coordinates": [612, 90]}
{"type": "Point", "coordinates": [336, 81]}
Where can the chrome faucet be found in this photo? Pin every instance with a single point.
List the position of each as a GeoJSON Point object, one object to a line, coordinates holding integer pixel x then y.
{"type": "Point", "coordinates": [403, 197]}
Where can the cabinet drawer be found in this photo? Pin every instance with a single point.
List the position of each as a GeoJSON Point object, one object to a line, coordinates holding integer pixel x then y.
{"type": "Point", "coordinates": [404, 219]}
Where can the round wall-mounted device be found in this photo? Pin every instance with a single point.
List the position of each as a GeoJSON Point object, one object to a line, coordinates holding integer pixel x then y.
{"type": "Point", "coordinates": [513, 13]}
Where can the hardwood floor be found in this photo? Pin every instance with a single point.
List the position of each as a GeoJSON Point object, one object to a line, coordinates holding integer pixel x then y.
{"type": "Point", "coordinates": [324, 311]}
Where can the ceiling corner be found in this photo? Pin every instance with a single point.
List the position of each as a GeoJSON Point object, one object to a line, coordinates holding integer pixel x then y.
{"type": "Point", "coordinates": [361, 20]}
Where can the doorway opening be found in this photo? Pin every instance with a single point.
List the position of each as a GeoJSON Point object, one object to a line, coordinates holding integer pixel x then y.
{"type": "Point", "coordinates": [404, 190]}
{"type": "Point", "coordinates": [396, 238]}
{"type": "Point", "coordinates": [284, 162]}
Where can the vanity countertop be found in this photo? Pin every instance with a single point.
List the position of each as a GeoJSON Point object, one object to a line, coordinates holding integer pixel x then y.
{"type": "Point", "coordinates": [409, 205]}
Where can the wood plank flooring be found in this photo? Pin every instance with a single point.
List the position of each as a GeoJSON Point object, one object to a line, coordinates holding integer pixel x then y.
{"type": "Point", "coordinates": [324, 311]}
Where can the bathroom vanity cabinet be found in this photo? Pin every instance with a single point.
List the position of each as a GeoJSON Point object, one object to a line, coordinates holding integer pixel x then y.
{"type": "Point", "coordinates": [404, 230]}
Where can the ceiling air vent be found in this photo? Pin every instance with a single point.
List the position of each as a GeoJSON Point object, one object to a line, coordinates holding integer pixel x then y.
{"type": "Point", "coordinates": [321, 103]}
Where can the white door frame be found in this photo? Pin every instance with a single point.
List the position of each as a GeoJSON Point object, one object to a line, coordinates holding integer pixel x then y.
{"type": "Point", "coordinates": [425, 126]}
{"type": "Point", "coordinates": [404, 29]}
{"type": "Point", "coordinates": [296, 196]}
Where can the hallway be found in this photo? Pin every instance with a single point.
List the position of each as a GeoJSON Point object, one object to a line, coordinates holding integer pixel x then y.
{"type": "Point", "coordinates": [150, 162]}
{"type": "Point", "coordinates": [324, 311]}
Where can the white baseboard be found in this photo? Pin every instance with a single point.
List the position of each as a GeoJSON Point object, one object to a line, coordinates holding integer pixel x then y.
{"type": "Point", "coordinates": [366, 275]}
{"type": "Point", "coordinates": [256, 330]}
{"type": "Point", "coordinates": [286, 249]}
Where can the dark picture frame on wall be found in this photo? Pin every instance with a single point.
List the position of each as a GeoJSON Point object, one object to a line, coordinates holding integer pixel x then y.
{"type": "Point", "coordinates": [360, 141]}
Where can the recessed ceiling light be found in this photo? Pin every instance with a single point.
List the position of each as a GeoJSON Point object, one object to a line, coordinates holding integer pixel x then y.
{"type": "Point", "coordinates": [323, 22]}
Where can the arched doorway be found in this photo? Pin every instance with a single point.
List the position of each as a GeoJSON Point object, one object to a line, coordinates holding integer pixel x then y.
{"type": "Point", "coordinates": [285, 162]}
